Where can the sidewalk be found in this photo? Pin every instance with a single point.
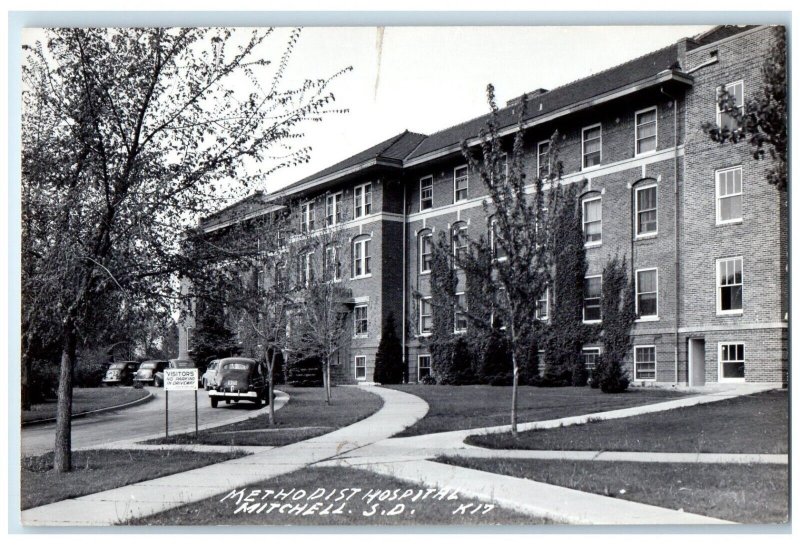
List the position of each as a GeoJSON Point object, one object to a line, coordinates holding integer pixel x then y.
{"type": "Point", "coordinates": [399, 411]}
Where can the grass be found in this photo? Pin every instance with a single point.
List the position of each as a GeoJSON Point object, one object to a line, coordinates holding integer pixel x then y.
{"type": "Point", "coordinates": [306, 415]}
{"type": "Point", "coordinates": [83, 400]}
{"type": "Point", "coordinates": [755, 424]}
{"type": "Point", "coordinates": [756, 493]}
{"type": "Point", "coordinates": [465, 407]}
{"type": "Point", "coordinates": [98, 470]}
{"type": "Point", "coordinates": [355, 511]}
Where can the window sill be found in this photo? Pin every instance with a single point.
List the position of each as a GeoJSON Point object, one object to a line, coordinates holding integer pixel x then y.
{"type": "Point", "coordinates": [459, 331]}
{"type": "Point", "coordinates": [730, 222]}
{"type": "Point", "coordinates": [424, 334]}
{"type": "Point", "coordinates": [425, 273]}
{"type": "Point", "coordinates": [362, 276]}
{"type": "Point", "coordinates": [361, 336]}
{"type": "Point", "coordinates": [592, 245]}
{"type": "Point", "coordinates": [645, 153]}
{"type": "Point", "coordinates": [648, 236]}
{"type": "Point", "coordinates": [648, 319]}
{"type": "Point", "coordinates": [591, 168]}
{"type": "Point", "coordinates": [592, 321]}
{"type": "Point", "coordinates": [723, 314]}
{"type": "Point", "coordinates": [644, 380]}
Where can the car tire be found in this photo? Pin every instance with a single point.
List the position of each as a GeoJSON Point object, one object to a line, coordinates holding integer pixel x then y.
{"type": "Point", "coordinates": [257, 401]}
{"type": "Point", "coordinates": [214, 402]}
{"type": "Point", "coordinates": [227, 402]}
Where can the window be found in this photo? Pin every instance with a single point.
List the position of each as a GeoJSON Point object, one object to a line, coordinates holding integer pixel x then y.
{"type": "Point", "coordinates": [498, 252]}
{"type": "Point", "coordinates": [360, 323]}
{"type": "Point", "coordinates": [647, 293]}
{"type": "Point", "coordinates": [644, 363]}
{"type": "Point", "coordinates": [593, 221]}
{"type": "Point", "coordinates": [735, 102]}
{"type": "Point", "coordinates": [425, 317]}
{"type": "Point", "coordinates": [425, 252]}
{"type": "Point", "coordinates": [307, 221]}
{"type": "Point", "coordinates": [731, 362]}
{"type": "Point", "coordinates": [729, 195]}
{"type": "Point", "coordinates": [460, 184]}
{"type": "Point", "coordinates": [592, 290]}
{"type": "Point", "coordinates": [542, 306]}
{"type": "Point", "coordinates": [426, 193]}
{"type": "Point", "coordinates": [501, 167]}
{"type": "Point", "coordinates": [333, 209]}
{"type": "Point", "coordinates": [361, 257]}
{"type": "Point", "coordinates": [543, 158]}
{"type": "Point", "coordinates": [361, 368]}
{"type": "Point", "coordinates": [459, 241]}
{"type": "Point", "coordinates": [362, 200]}
{"type": "Point", "coordinates": [590, 357]}
{"type": "Point", "coordinates": [306, 266]}
{"type": "Point", "coordinates": [729, 285]}
{"type": "Point", "coordinates": [592, 146]}
{"type": "Point", "coordinates": [459, 318]}
{"type": "Point", "coordinates": [423, 367]}
{"type": "Point", "coordinates": [332, 268]}
{"type": "Point", "coordinates": [646, 211]}
{"type": "Point", "coordinates": [646, 131]}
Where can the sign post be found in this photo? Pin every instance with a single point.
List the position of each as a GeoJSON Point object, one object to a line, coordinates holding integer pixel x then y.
{"type": "Point", "coordinates": [180, 379]}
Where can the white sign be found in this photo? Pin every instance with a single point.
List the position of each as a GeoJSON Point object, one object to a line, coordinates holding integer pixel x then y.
{"type": "Point", "coordinates": [180, 379]}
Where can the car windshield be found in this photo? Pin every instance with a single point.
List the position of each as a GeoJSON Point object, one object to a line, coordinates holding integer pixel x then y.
{"type": "Point", "coordinates": [148, 366]}
{"type": "Point", "coordinates": [239, 366]}
{"type": "Point", "coordinates": [118, 366]}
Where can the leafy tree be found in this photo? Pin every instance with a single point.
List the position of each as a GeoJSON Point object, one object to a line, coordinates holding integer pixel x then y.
{"type": "Point", "coordinates": [127, 133]}
{"type": "Point", "coordinates": [389, 366]}
{"type": "Point", "coordinates": [567, 332]}
{"type": "Point", "coordinates": [762, 121]}
{"type": "Point", "coordinates": [212, 337]}
{"type": "Point", "coordinates": [520, 239]}
{"type": "Point", "coordinates": [619, 314]}
{"type": "Point", "coordinates": [496, 367]}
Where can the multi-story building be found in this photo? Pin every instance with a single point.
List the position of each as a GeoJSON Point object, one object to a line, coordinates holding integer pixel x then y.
{"type": "Point", "coordinates": [705, 234]}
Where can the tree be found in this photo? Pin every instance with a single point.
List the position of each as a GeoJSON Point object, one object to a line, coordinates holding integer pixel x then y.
{"type": "Point", "coordinates": [212, 337]}
{"type": "Point", "coordinates": [520, 239]}
{"type": "Point", "coordinates": [619, 314]}
{"type": "Point", "coordinates": [127, 134]}
{"type": "Point", "coordinates": [762, 120]}
{"type": "Point", "coordinates": [567, 333]}
{"type": "Point", "coordinates": [389, 366]}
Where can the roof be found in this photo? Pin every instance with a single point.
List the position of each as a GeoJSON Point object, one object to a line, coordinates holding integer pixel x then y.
{"type": "Point", "coordinates": [255, 204]}
{"type": "Point", "coordinates": [393, 150]}
{"type": "Point", "coordinates": [608, 80]}
{"type": "Point", "coordinates": [716, 34]}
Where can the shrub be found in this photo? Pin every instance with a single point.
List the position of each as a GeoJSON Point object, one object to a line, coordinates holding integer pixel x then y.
{"type": "Point", "coordinates": [428, 379]}
{"type": "Point", "coordinates": [389, 367]}
{"type": "Point", "coordinates": [619, 314]}
{"type": "Point", "coordinates": [90, 368]}
{"type": "Point", "coordinates": [613, 377]}
{"type": "Point", "coordinates": [496, 364]}
{"type": "Point", "coordinates": [304, 372]}
{"type": "Point", "coordinates": [43, 380]}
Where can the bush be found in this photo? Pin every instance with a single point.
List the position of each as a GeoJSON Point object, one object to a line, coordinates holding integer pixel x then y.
{"type": "Point", "coordinates": [43, 381]}
{"type": "Point", "coordinates": [90, 368]}
{"type": "Point", "coordinates": [428, 379]}
{"type": "Point", "coordinates": [389, 367]}
{"type": "Point", "coordinates": [613, 377]}
{"type": "Point", "coordinates": [458, 371]}
{"type": "Point", "coordinates": [496, 366]}
{"type": "Point", "coordinates": [304, 372]}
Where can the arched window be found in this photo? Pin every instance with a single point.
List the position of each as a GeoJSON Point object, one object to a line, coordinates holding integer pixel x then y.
{"type": "Point", "coordinates": [425, 251]}
{"type": "Point", "coordinates": [645, 203]}
{"type": "Point", "coordinates": [592, 216]}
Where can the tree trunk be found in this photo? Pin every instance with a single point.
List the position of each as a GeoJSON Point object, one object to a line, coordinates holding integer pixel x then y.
{"type": "Point", "coordinates": [270, 388]}
{"type": "Point", "coordinates": [63, 446]}
{"type": "Point", "coordinates": [326, 377]}
{"type": "Point", "coordinates": [514, 384]}
{"type": "Point", "coordinates": [24, 378]}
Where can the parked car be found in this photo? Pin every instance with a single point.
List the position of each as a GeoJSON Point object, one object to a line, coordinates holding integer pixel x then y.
{"type": "Point", "coordinates": [120, 372]}
{"type": "Point", "coordinates": [158, 379]}
{"type": "Point", "coordinates": [209, 378]}
{"type": "Point", "coordinates": [239, 379]}
{"type": "Point", "coordinates": [147, 371]}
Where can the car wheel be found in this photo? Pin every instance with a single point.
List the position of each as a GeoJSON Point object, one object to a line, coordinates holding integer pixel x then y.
{"type": "Point", "coordinates": [227, 402]}
{"type": "Point", "coordinates": [257, 401]}
{"type": "Point", "coordinates": [214, 402]}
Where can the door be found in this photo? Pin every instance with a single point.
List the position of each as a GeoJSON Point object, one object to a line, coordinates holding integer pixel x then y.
{"type": "Point", "coordinates": [697, 362]}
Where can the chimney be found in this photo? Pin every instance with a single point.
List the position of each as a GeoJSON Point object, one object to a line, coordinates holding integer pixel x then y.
{"type": "Point", "coordinates": [518, 100]}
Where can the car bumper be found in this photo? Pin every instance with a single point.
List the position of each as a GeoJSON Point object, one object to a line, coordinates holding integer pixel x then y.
{"type": "Point", "coordinates": [232, 395]}
{"type": "Point", "coordinates": [112, 380]}
{"type": "Point", "coordinates": [151, 379]}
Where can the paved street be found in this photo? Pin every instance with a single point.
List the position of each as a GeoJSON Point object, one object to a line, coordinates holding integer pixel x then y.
{"type": "Point", "coordinates": [139, 422]}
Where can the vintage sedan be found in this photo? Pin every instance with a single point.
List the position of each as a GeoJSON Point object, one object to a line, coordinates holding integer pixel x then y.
{"type": "Point", "coordinates": [209, 378]}
{"type": "Point", "coordinates": [148, 370]}
{"type": "Point", "coordinates": [120, 373]}
{"type": "Point", "coordinates": [239, 379]}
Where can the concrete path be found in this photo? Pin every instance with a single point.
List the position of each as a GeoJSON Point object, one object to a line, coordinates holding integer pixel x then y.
{"type": "Point", "coordinates": [399, 411]}
{"type": "Point", "coordinates": [559, 504]}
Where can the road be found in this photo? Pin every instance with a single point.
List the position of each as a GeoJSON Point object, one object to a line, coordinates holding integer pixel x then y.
{"type": "Point", "coordinates": [137, 422]}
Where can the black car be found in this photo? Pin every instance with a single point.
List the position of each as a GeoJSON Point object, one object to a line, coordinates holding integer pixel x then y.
{"type": "Point", "coordinates": [120, 372]}
{"type": "Point", "coordinates": [158, 377]}
{"type": "Point", "coordinates": [148, 370]}
{"type": "Point", "coordinates": [239, 379]}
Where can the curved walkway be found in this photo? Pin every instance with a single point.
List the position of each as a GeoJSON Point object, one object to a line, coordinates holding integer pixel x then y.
{"type": "Point", "coordinates": [119, 505]}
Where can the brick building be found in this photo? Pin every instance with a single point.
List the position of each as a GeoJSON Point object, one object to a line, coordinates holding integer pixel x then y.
{"type": "Point", "coordinates": [705, 234]}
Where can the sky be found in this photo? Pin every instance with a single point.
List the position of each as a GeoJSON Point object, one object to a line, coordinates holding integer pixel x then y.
{"type": "Point", "coordinates": [425, 79]}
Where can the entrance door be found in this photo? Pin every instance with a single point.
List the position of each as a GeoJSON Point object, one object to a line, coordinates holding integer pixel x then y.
{"type": "Point", "coordinates": [697, 362]}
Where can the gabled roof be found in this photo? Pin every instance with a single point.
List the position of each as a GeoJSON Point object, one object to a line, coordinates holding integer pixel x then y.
{"type": "Point", "coordinates": [619, 76]}
{"type": "Point", "coordinates": [719, 32]}
{"type": "Point", "coordinates": [391, 152]}
{"type": "Point", "coordinates": [256, 204]}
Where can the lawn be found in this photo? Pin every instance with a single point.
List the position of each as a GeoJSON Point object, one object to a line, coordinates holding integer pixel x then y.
{"type": "Point", "coordinates": [83, 400]}
{"type": "Point", "coordinates": [465, 407]}
{"type": "Point", "coordinates": [736, 492]}
{"type": "Point", "coordinates": [306, 415]}
{"type": "Point", "coordinates": [755, 424]}
{"type": "Point", "coordinates": [98, 470]}
{"type": "Point", "coordinates": [346, 497]}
